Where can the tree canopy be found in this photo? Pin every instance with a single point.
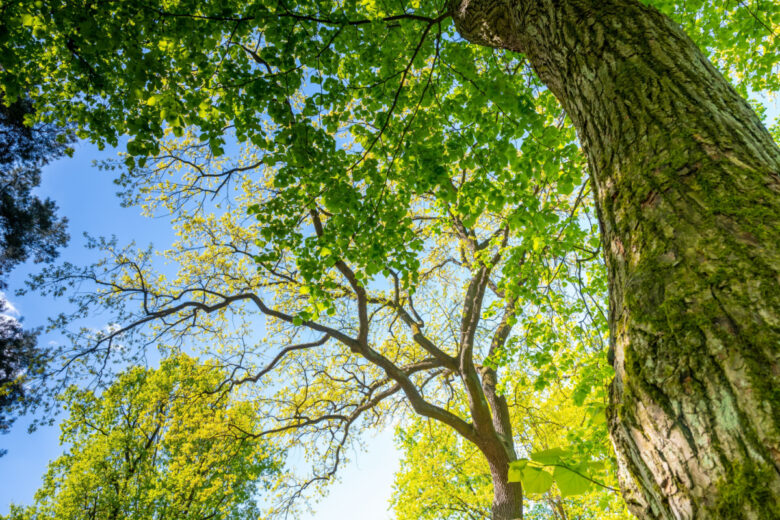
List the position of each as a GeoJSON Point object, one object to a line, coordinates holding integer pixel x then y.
{"type": "Point", "coordinates": [403, 210]}
{"type": "Point", "coordinates": [19, 361]}
{"type": "Point", "coordinates": [329, 358]}
{"type": "Point", "coordinates": [346, 98]}
{"type": "Point", "coordinates": [364, 103]}
{"type": "Point", "coordinates": [156, 444]}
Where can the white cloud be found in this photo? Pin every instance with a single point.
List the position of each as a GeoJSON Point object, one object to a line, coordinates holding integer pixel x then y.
{"type": "Point", "coordinates": [5, 318]}
{"type": "Point", "coordinates": [10, 310]}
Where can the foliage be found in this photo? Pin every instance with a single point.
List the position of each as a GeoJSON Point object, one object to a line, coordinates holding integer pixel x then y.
{"type": "Point", "coordinates": [440, 475]}
{"type": "Point", "coordinates": [29, 227]}
{"type": "Point", "coordinates": [741, 38]}
{"type": "Point", "coordinates": [338, 356]}
{"type": "Point", "coordinates": [19, 359]}
{"type": "Point", "coordinates": [558, 465]}
{"type": "Point", "coordinates": [158, 443]}
{"type": "Point", "coordinates": [338, 94]}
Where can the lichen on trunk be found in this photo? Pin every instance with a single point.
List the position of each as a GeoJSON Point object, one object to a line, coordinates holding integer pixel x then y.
{"type": "Point", "coordinates": [687, 185]}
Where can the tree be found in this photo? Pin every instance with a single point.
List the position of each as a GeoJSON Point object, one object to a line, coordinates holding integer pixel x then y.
{"type": "Point", "coordinates": [346, 350]}
{"type": "Point", "coordinates": [20, 358]}
{"type": "Point", "coordinates": [684, 173]}
{"type": "Point", "coordinates": [29, 227]}
{"type": "Point", "coordinates": [158, 443]}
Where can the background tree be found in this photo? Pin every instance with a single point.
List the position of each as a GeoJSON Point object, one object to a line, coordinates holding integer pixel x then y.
{"type": "Point", "coordinates": [20, 358]}
{"type": "Point", "coordinates": [29, 228]}
{"type": "Point", "coordinates": [157, 443]}
{"type": "Point", "coordinates": [685, 175]}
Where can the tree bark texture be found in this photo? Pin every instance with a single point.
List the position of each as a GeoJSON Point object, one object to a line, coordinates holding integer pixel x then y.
{"type": "Point", "coordinates": [499, 449]}
{"type": "Point", "coordinates": [507, 496]}
{"type": "Point", "coordinates": [687, 185]}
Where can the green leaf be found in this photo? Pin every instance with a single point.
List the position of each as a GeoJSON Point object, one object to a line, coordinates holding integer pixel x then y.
{"type": "Point", "coordinates": [597, 413]}
{"type": "Point", "coordinates": [565, 188]}
{"type": "Point", "coordinates": [516, 470]}
{"type": "Point", "coordinates": [570, 481]}
{"type": "Point", "coordinates": [536, 480]}
{"type": "Point", "coordinates": [534, 477]}
{"type": "Point", "coordinates": [551, 456]}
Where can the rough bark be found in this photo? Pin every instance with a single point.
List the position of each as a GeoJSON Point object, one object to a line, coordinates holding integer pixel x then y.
{"type": "Point", "coordinates": [687, 185]}
{"type": "Point", "coordinates": [497, 446]}
{"type": "Point", "coordinates": [507, 496]}
{"type": "Point", "coordinates": [500, 451]}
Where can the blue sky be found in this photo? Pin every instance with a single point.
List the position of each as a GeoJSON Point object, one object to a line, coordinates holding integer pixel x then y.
{"type": "Point", "coordinates": [86, 196]}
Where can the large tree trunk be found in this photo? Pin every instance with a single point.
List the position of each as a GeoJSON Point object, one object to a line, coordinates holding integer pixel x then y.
{"type": "Point", "coordinates": [687, 185]}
